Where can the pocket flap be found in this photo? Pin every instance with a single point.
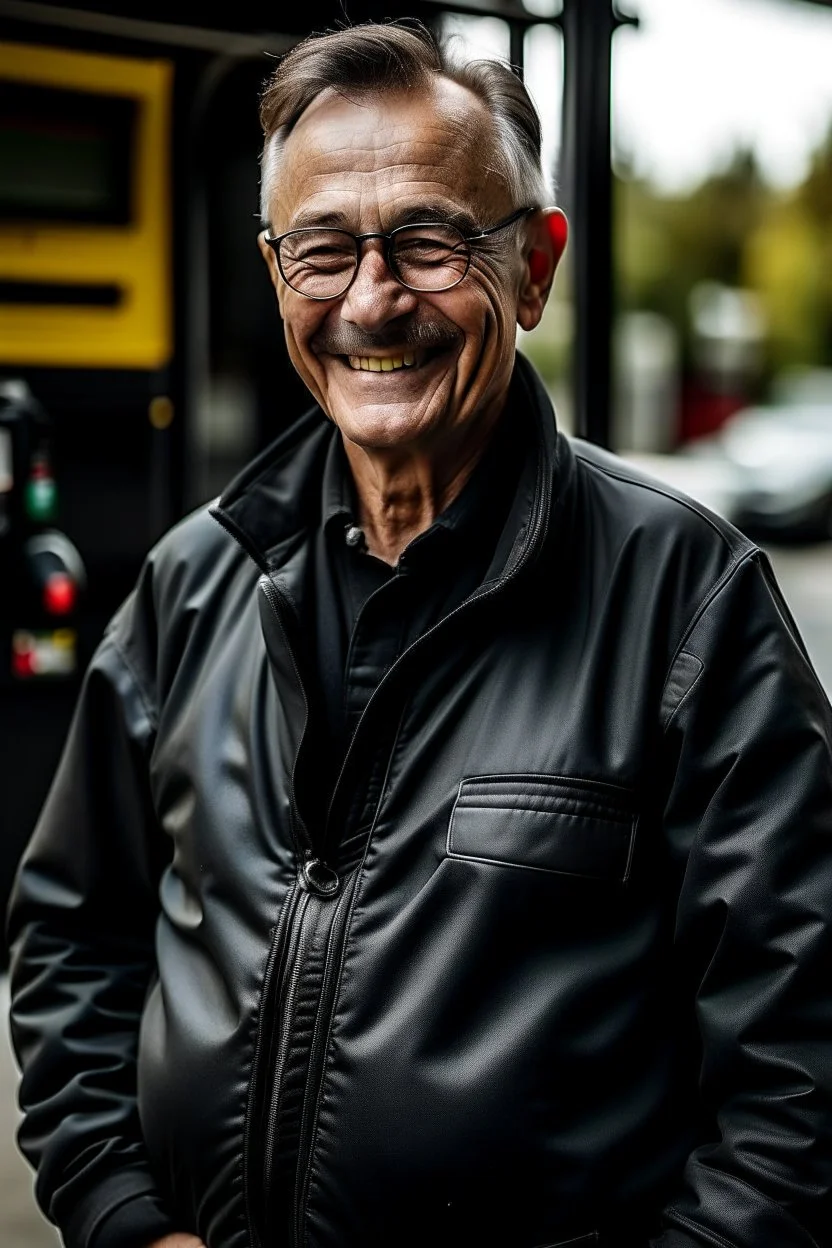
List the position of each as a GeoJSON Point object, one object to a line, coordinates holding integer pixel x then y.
{"type": "Point", "coordinates": [591, 1238]}
{"type": "Point", "coordinates": [560, 824]}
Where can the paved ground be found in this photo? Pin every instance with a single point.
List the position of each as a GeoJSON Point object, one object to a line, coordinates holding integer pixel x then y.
{"type": "Point", "coordinates": [805, 575]}
{"type": "Point", "coordinates": [21, 1226]}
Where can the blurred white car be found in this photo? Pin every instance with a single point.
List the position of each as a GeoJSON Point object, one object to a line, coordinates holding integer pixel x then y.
{"type": "Point", "coordinates": [780, 461]}
{"type": "Point", "coordinates": [708, 478]}
{"type": "Point", "coordinates": [768, 470]}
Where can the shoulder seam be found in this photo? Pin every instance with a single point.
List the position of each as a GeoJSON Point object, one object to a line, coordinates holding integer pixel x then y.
{"type": "Point", "coordinates": [716, 589]}
{"type": "Point", "coordinates": [657, 488]}
{"type": "Point", "coordinates": [740, 553]}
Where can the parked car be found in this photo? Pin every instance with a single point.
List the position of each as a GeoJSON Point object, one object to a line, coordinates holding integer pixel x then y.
{"type": "Point", "coordinates": [709, 478]}
{"type": "Point", "coordinates": [779, 461]}
{"type": "Point", "coordinates": [768, 470]}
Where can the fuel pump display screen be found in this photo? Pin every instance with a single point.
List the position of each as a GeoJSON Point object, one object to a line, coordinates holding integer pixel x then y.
{"type": "Point", "coordinates": [86, 280]}
{"type": "Point", "coordinates": [65, 155]}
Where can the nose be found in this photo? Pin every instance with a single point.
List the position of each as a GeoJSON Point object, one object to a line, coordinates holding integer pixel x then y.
{"type": "Point", "coordinates": [375, 296]}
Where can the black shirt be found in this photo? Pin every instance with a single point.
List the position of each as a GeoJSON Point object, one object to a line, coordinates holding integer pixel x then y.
{"type": "Point", "coordinates": [366, 612]}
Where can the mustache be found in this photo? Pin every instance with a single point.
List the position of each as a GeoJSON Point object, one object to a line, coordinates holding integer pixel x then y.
{"type": "Point", "coordinates": [351, 340]}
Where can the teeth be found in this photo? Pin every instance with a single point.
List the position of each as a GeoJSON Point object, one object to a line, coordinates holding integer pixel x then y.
{"type": "Point", "coordinates": [382, 364]}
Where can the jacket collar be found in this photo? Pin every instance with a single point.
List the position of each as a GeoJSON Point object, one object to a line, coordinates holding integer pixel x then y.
{"type": "Point", "coordinates": [275, 502]}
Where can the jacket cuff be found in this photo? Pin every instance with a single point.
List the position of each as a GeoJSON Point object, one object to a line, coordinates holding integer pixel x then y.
{"type": "Point", "coordinates": [136, 1224]}
{"type": "Point", "coordinates": [125, 1212]}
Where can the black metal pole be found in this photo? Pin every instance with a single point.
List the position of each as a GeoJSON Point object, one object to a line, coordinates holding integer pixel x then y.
{"type": "Point", "coordinates": [516, 54]}
{"type": "Point", "coordinates": [586, 180]}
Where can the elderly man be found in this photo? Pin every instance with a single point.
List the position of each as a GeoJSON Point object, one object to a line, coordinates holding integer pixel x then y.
{"type": "Point", "coordinates": [442, 850]}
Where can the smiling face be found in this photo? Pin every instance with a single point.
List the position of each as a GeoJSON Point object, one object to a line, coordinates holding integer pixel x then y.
{"type": "Point", "coordinates": [396, 369]}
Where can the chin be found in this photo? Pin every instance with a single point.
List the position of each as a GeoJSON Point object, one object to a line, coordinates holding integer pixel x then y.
{"type": "Point", "coordinates": [384, 422]}
{"type": "Point", "coordinates": [382, 428]}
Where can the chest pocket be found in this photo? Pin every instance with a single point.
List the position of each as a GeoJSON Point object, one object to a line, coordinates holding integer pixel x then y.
{"type": "Point", "coordinates": [560, 824]}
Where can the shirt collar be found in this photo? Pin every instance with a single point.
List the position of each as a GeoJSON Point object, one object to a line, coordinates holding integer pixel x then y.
{"type": "Point", "coordinates": [270, 506]}
{"type": "Point", "coordinates": [339, 504]}
{"type": "Point", "coordinates": [476, 513]}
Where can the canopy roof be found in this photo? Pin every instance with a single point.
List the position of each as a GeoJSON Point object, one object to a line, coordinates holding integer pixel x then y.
{"type": "Point", "coordinates": [256, 17]}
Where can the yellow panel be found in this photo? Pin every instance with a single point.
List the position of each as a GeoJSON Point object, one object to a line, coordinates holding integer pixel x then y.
{"type": "Point", "coordinates": [135, 257]}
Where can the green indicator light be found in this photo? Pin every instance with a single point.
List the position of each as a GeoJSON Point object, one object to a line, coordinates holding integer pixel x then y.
{"type": "Point", "coordinates": [41, 498]}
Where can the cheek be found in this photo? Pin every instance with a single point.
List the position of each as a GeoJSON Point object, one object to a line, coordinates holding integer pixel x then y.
{"type": "Point", "coordinates": [299, 358]}
{"type": "Point", "coordinates": [487, 358]}
{"type": "Point", "coordinates": [300, 325]}
{"type": "Point", "coordinates": [482, 314]}
{"type": "Point", "coordinates": [497, 292]}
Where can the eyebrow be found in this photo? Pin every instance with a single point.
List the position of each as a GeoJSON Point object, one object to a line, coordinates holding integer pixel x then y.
{"type": "Point", "coordinates": [308, 220]}
{"type": "Point", "coordinates": [433, 213]}
{"type": "Point", "coordinates": [438, 213]}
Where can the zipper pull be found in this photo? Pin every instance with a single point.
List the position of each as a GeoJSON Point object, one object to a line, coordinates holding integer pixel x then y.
{"type": "Point", "coordinates": [316, 877]}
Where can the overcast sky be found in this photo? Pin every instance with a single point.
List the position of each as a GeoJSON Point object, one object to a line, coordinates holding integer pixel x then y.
{"type": "Point", "coordinates": [696, 79]}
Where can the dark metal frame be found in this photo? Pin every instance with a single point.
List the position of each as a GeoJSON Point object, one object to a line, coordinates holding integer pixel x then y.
{"type": "Point", "coordinates": [585, 177]}
{"type": "Point", "coordinates": [586, 174]}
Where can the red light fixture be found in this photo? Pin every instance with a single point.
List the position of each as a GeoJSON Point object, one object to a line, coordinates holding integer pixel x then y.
{"type": "Point", "coordinates": [23, 663]}
{"type": "Point", "coordinates": [59, 594]}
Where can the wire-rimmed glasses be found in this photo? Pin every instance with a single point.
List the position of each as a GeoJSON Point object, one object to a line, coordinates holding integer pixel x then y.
{"type": "Point", "coordinates": [429, 256]}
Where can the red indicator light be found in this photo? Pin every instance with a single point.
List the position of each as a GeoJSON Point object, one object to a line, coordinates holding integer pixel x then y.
{"type": "Point", "coordinates": [59, 594]}
{"type": "Point", "coordinates": [23, 663]}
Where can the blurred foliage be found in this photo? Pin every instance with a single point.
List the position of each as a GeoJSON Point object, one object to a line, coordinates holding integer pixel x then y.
{"type": "Point", "coordinates": [733, 229]}
{"type": "Point", "coordinates": [549, 346]}
{"type": "Point", "coordinates": [736, 230]}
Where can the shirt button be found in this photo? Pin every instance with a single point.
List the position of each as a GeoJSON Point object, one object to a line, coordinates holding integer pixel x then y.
{"type": "Point", "coordinates": [354, 537]}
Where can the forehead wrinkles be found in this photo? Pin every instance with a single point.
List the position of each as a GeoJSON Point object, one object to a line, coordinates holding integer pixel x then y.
{"type": "Point", "coordinates": [349, 190]}
{"type": "Point", "coordinates": [390, 144]}
{"type": "Point", "coordinates": [399, 151]}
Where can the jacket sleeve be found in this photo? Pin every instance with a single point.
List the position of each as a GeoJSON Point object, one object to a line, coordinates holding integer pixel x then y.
{"type": "Point", "coordinates": [748, 820]}
{"type": "Point", "coordinates": [81, 926]}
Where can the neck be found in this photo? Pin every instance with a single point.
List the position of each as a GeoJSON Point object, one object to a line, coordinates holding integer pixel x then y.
{"type": "Point", "coordinates": [401, 492]}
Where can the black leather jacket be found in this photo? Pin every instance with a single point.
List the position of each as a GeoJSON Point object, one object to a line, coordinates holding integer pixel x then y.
{"type": "Point", "coordinates": [573, 987]}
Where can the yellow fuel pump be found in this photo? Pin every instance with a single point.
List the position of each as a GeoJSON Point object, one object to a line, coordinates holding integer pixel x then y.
{"type": "Point", "coordinates": [84, 209]}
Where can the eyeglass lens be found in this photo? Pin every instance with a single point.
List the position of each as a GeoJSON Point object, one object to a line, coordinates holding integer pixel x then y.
{"type": "Point", "coordinates": [320, 263]}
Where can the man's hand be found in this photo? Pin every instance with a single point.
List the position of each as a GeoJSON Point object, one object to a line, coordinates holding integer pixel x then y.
{"type": "Point", "coordinates": [177, 1241]}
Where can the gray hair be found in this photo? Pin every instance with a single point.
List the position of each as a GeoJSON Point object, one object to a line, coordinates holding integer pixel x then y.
{"type": "Point", "coordinates": [401, 55]}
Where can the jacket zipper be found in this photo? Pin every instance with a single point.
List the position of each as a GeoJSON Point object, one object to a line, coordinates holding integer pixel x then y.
{"type": "Point", "coordinates": [317, 879]}
{"type": "Point", "coordinates": [302, 922]}
{"type": "Point", "coordinates": [317, 1052]}
{"type": "Point", "coordinates": [326, 999]}
{"type": "Point", "coordinates": [286, 998]}
{"type": "Point", "coordinates": [275, 968]}
{"type": "Point", "coordinates": [323, 1025]}
{"type": "Point", "coordinates": [284, 971]}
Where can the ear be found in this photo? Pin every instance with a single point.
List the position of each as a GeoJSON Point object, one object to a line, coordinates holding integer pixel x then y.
{"type": "Point", "coordinates": [545, 244]}
{"type": "Point", "coordinates": [270, 258]}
